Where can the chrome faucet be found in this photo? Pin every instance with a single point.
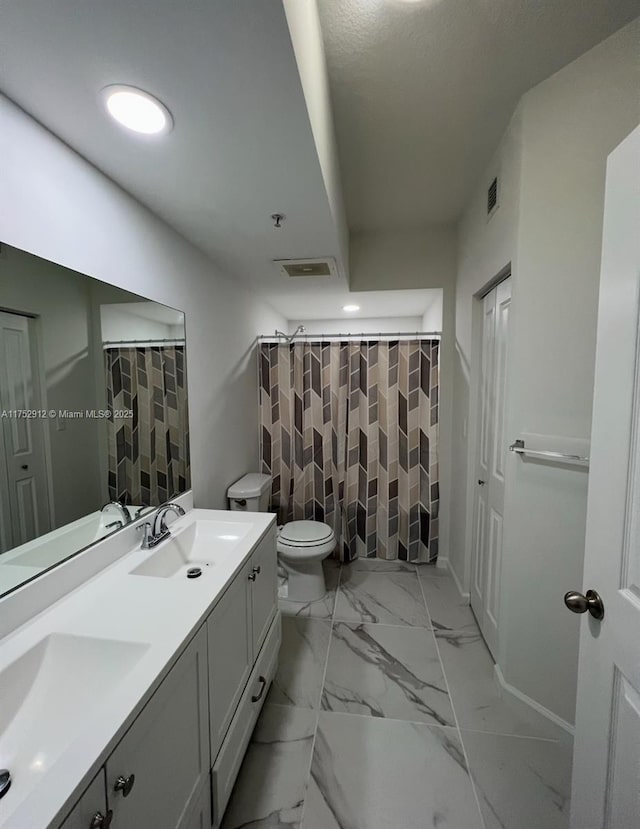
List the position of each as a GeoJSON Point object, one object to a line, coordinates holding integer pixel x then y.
{"type": "Point", "coordinates": [154, 533]}
{"type": "Point", "coordinates": [125, 515]}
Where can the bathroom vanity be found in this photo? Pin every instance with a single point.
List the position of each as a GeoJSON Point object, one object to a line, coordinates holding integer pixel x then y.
{"type": "Point", "coordinates": [130, 701]}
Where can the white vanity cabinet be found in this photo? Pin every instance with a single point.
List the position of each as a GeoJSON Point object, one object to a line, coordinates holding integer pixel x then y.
{"type": "Point", "coordinates": [250, 644]}
{"type": "Point", "coordinates": [157, 772]}
{"type": "Point", "coordinates": [176, 765]}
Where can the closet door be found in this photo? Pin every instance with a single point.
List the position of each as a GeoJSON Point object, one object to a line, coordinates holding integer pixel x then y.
{"type": "Point", "coordinates": [489, 501]}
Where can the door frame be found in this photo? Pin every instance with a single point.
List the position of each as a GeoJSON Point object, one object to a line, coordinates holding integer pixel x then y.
{"type": "Point", "coordinates": [473, 422]}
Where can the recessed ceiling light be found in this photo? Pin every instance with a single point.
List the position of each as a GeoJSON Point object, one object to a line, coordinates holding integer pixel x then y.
{"type": "Point", "coordinates": [350, 307]}
{"type": "Point", "coordinates": [137, 110]}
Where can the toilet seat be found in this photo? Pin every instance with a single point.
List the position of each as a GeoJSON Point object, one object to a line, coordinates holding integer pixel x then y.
{"type": "Point", "coordinates": [306, 540]}
{"type": "Point", "coordinates": [305, 533]}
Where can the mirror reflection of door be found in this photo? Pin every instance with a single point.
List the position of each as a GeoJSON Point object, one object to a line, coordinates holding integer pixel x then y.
{"type": "Point", "coordinates": [489, 502]}
{"type": "Point", "coordinates": [24, 496]}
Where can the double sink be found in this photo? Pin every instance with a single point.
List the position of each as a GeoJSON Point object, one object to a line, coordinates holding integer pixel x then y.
{"type": "Point", "coordinates": [48, 691]}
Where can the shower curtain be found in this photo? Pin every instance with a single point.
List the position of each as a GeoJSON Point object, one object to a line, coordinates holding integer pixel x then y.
{"type": "Point", "coordinates": [148, 452]}
{"type": "Point", "coordinates": [349, 434]}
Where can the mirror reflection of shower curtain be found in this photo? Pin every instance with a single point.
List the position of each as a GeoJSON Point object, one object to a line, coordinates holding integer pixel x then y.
{"type": "Point", "coordinates": [148, 452]}
{"type": "Point", "coordinates": [349, 435]}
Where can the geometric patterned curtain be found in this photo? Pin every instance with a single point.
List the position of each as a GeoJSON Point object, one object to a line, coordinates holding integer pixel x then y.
{"type": "Point", "coordinates": [149, 452]}
{"type": "Point", "coordinates": [349, 435]}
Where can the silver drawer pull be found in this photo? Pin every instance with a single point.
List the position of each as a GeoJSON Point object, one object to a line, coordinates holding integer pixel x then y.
{"type": "Point", "coordinates": [258, 696]}
{"type": "Point", "coordinates": [100, 821]}
{"type": "Point", "coordinates": [125, 784]}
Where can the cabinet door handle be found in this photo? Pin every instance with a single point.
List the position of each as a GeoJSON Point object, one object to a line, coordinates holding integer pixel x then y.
{"type": "Point", "coordinates": [263, 685]}
{"type": "Point", "coordinates": [125, 784]}
{"type": "Point", "coordinates": [100, 821]}
{"type": "Point", "coordinates": [251, 576]}
{"type": "Point", "coordinates": [257, 570]}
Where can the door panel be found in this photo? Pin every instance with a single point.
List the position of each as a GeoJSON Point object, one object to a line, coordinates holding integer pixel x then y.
{"type": "Point", "coordinates": [492, 595]}
{"type": "Point", "coordinates": [484, 454]}
{"type": "Point", "coordinates": [606, 770]}
{"type": "Point", "coordinates": [25, 476]}
{"type": "Point", "coordinates": [489, 507]}
{"type": "Point", "coordinates": [477, 601]}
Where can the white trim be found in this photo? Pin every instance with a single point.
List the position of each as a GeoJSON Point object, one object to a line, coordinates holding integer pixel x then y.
{"type": "Point", "coordinates": [523, 699]}
{"type": "Point", "coordinates": [445, 564]}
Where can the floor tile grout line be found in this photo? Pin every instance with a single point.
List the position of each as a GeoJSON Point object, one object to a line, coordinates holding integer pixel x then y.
{"type": "Point", "coordinates": [455, 716]}
{"type": "Point", "coordinates": [319, 709]}
{"type": "Point", "coordinates": [464, 730]}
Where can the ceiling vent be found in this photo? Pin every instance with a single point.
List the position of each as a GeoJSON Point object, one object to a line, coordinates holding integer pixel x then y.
{"type": "Point", "coordinates": [307, 267]}
{"type": "Point", "coordinates": [492, 197]}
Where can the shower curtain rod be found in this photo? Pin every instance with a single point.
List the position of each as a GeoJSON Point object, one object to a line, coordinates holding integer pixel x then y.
{"type": "Point", "coordinates": [364, 335]}
{"type": "Point", "coordinates": [175, 340]}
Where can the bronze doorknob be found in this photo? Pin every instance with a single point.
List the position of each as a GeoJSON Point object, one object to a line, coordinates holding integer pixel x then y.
{"type": "Point", "coordinates": [592, 602]}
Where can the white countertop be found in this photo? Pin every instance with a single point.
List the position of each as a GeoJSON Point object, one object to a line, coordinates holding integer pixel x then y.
{"type": "Point", "coordinates": [162, 613]}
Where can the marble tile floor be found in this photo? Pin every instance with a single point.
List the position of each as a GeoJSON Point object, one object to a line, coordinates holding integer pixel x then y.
{"type": "Point", "coordinates": [385, 714]}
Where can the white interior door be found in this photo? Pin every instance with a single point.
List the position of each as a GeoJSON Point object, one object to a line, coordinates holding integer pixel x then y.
{"type": "Point", "coordinates": [489, 506]}
{"type": "Point", "coordinates": [24, 473]}
{"type": "Point", "coordinates": [606, 775]}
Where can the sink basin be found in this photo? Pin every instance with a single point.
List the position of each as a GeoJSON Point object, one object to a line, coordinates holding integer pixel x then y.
{"type": "Point", "coordinates": [46, 695]}
{"type": "Point", "coordinates": [201, 543]}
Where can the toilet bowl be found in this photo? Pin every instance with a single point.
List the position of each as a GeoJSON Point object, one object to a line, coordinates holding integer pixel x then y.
{"type": "Point", "coordinates": [301, 545]}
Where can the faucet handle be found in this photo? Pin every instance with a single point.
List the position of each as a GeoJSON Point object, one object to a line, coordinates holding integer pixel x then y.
{"type": "Point", "coordinates": [147, 534]}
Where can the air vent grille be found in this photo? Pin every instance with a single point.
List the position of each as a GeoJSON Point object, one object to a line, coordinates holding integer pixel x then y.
{"type": "Point", "coordinates": [307, 267]}
{"type": "Point", "coordinates": [492, 196]}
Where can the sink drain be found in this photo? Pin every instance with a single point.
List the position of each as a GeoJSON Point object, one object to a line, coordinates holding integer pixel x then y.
{"type": "Point", "coordinates": [194, 572]}
{"type": "Point", "coordinates": [5, 781]}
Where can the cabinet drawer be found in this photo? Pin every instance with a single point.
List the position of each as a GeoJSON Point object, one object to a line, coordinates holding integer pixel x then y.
{"type": "Point", "coordinates": [229, 760]}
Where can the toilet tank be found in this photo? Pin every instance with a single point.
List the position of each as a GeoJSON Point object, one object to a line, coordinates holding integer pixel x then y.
{"type": "Point", "coordinates": [251, 493]}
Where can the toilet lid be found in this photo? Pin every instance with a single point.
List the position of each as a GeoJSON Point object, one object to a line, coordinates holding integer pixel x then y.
{"type": "Point", "coordinates": [305, 532]}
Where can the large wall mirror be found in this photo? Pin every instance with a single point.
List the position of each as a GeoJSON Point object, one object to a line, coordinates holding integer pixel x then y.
{"type": "Point", "coordinates": [93, 412]}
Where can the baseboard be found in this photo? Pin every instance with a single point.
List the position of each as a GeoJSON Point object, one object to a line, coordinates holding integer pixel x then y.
{"type": "Point", "coordinates": [523, 699]}
{"type": "Point", "coordinates": [445, 565]}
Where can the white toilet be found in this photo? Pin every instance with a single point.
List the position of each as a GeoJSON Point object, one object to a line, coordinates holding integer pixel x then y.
{"type": "Point", "coordinates": [301, 545]}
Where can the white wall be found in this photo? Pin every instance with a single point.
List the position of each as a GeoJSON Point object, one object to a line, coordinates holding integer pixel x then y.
{"type": "Point", "coordinates": [119, 323]}
{"type": "Point", "coordinates": [570, 125]}
{"type": "Point", "coordinates": [60, 300]}
{"type": "Point", "coordinates": [56, 205]}
{"type": "Point", "coordinates": [420, 258]}
{"type": "Point", "coordinates": [552, 160]}
{"type": "Point", "coordinates": [485, 248]}
{"type": "Point", "coordinates": [371, 325]}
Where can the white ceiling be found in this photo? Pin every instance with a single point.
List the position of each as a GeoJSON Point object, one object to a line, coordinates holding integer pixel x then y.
{"type": "Point", "coordinates": [423, 89]}
{"type": "Point", "coordinates": [242, 147]}
{"type": "Point", "coordinates": [328, 303]}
